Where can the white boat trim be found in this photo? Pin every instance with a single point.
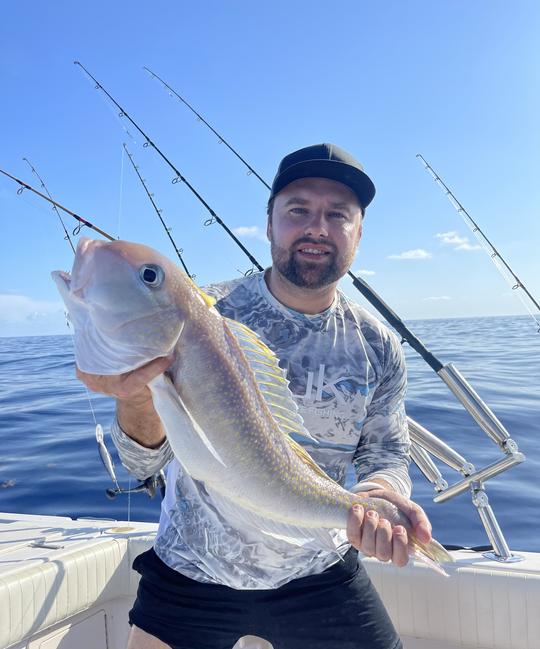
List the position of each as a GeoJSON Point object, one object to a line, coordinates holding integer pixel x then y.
{"type": "Point", "coordinates": [69, 584]}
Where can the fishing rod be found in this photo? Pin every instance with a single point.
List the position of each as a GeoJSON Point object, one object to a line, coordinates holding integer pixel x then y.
{"type": "Point", "coordinates": [150, 484]}
{"type": "Point", "coordinates": [424, 441]}
{"type": "Point", "coordinates": [158, 211]}
{"type": "Point", "coordinates": [358, 283]}
{"type": "Point", "coordinates": [201, 119]}
{"type": "Point", "coordinates": [178, 177]}
{"type": "Point", "coordinates": [500, 263]}
{"type": "Point", "coordinates": [103, 451]}
{"type": "Point", "coordinates": [449, 374]}
{"type": "Point", "coordinates": [82, 222]}
{"type": "Point", "coordinates": [43, 186]}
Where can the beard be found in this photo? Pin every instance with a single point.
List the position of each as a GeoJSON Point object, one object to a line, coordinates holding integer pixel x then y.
{"type": "Point", "coordinates": [307, 274]}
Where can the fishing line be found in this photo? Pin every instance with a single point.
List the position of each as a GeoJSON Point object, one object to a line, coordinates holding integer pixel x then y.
{"type": "Point", "coordinates": [452, 378]}
{"type": "Point", "coordinates": [121, 193]}
{"type": "Point", "coordinates": [129, 499]}
{"type": "Point", "coordinates": [214, 218]}
{"type": "Point", "coordinates": [103, 451]}
{"type": "Point", "coordinates": [528, 301]}
{"type": "Point", "coordinates": [200, 118]}
{"type": "Point", "coordinates": [373, 298]}
{"type": "Point", "coordinates": [117, 116]}
{"type": "Point", "coordinates": [155, 482]}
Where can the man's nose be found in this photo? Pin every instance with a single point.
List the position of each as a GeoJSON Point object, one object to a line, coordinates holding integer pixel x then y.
{"type": "Point", "coordinates": [317, 226]}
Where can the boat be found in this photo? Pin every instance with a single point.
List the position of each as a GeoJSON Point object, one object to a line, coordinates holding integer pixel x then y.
{"type": "Point", "coordinates": [68, 584]}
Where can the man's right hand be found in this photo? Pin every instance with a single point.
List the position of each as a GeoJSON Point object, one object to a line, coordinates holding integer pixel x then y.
{"type": "Point", "coordinates": [129, 385]}
{"type": "Point", "coordinates": [134, 408]}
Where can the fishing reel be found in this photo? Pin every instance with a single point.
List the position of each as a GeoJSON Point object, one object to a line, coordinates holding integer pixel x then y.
{"type": "Point", "coordinates": [150, 486]}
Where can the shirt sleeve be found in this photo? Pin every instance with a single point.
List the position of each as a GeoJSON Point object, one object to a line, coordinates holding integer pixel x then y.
{"type": "Point", "coordinates": [140, 461]}
{"type": "Point", "coordinates": [383, 448]}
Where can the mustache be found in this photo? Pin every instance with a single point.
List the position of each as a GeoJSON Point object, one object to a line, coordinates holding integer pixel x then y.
{"type": "Point", "coordinates": [304, 240]}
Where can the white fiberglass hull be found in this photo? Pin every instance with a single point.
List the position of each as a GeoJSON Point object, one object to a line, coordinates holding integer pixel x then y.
{"type": "Point", "coordinates": [69, 584]}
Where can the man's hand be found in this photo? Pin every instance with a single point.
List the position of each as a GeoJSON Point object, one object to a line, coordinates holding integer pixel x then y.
{"type": "Point", "coordinates": [130, 385]}
{"type": "Point", "coordinates": [374, 536]}
{"type": "Point", "coordinates": [134, 407]}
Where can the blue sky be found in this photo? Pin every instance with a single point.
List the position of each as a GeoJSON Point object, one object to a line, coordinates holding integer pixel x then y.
{"type": "Point", "coordinates": [456, 81]}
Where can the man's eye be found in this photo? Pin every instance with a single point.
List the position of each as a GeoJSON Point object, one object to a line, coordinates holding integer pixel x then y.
{"type": "Point", "coordinates": [338, 215]}
{"type": "Point", "coordinates": [298, 210]}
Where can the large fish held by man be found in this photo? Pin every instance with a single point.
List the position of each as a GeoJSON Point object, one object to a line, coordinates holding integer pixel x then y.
{"type": "Point", "coordinates": [224, 403]}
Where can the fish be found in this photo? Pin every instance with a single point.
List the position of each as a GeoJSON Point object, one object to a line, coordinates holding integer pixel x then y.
{"type": "Point", "coordinates": [225, 403]}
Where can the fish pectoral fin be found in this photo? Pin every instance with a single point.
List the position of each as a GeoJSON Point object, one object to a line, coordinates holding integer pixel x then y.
{"type": "Point", "coordinates": [167, 399]}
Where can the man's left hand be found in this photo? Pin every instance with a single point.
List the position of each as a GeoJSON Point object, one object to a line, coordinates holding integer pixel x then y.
{"type": "Point", "coordinates": [374, 536]}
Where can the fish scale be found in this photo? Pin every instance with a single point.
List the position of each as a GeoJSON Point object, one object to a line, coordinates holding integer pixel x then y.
{"type": "Point", "coordinates": [225, 404]}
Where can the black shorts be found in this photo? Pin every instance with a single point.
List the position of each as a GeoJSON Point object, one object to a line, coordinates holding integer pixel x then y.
{"type": "Point", "coordinates": [337, 609]}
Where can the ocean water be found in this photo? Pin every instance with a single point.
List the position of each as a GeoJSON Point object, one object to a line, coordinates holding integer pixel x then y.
{"type": "Point", "coordinates": [49, 461]}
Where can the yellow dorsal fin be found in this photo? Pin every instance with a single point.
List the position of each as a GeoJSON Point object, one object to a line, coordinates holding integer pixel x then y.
{"type": "Point", "coordinates": [271, 380]}
{"type": "Point", "coordinates": [306, 457]}
{"type": "Point", "coordinates": [207, 299]}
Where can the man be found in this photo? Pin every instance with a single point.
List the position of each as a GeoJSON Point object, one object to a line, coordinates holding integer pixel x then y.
{"type": "Point", "coordinates": [210, 580]}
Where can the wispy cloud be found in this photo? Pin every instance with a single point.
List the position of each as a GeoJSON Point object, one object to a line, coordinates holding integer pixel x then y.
{"type": "Point", "coordinates": [458, 242]}
{"type": "Point", "coordinates": [417, 253]}
{"type": "Point", "coordinates": [469, 246]}
{"type": "Point", "coordinates": [438, 298]}
{"type": "Point", "coordinates": [250, 232]}
{"type": "Point", "coordinates": [364, 272]}
{"type": "Point", "coordinates": [21, 308]}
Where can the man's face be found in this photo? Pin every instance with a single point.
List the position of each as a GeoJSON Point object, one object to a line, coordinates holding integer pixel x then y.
{"type": "Point", "coordinates": [314, 229]}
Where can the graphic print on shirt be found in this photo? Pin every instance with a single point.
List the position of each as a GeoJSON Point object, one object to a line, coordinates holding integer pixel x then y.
{"type": "Point", "coordinates": [347, 376]}
{"type": "Point", "coordinates": [331, 370]}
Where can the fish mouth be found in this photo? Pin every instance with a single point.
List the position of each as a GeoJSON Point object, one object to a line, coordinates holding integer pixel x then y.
{"type": "Point", "coordinates": [64, 282]}
{"type": "Point", "coordinates": [62, 276]}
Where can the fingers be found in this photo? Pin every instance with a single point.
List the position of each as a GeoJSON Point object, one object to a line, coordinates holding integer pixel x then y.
{"type": "Point", "coordinates": [128, 385]}
{"type": "Point", "coordinates": [134, 382]}
{"type": "Point", "coordinates": [369, 533]}
{"type": "Point", "coordinates": [416, 515]}
{"type": "Point", "coordinates": [400, 549]}
{"type": "Point", "coordinates": [383, 541]}
{"type": "Point", "coordinates": [354, 526]}
{"type": "Point", "coordinates": [375, 537]}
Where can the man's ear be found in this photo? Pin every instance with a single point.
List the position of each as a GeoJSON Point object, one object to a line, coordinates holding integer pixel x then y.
{"type": "Point", "coordinates": [269, 228]}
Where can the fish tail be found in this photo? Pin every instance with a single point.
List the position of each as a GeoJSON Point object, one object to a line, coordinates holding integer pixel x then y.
{"type": "Point", "coordinates": [432, 553]}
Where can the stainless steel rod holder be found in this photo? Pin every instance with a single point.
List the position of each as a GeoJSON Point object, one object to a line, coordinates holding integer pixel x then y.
{"type": "Point", "coordinates": [476, 407]}
{"type": "Point", "coordinates": [428, 468]}
{"type": "Point", "coordinates": [432, 444]}
{"type": "Point", "coordinates": [480, 476]}
{"type": "Point", "coordinates": [501, 551]}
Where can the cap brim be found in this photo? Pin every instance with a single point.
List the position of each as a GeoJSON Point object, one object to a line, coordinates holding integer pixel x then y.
{"type": "Point", "coordinates": [355, 179]}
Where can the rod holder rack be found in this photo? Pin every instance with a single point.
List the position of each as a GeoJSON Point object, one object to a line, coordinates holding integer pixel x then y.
{"type": "Point", "coordinates": [480, 476]}
{"type": "Point", "coordinates": [477, 408]}
{"type": "Point", "coordinates": [425, 443]}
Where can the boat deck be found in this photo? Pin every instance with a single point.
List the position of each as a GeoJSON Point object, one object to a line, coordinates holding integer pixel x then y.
{"type": "Point", "coordinates": [69, 583]}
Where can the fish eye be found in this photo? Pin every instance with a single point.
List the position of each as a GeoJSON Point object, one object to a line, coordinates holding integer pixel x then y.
{"type": "Point", "coordinates": [152, 275]}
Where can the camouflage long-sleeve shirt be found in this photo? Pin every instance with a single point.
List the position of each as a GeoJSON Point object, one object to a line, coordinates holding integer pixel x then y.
{"type": "Point", "coordinates": [347, 374]}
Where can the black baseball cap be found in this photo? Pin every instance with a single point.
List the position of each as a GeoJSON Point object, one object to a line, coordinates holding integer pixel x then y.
{"type": "Point", "coordinates": [324, 161]}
